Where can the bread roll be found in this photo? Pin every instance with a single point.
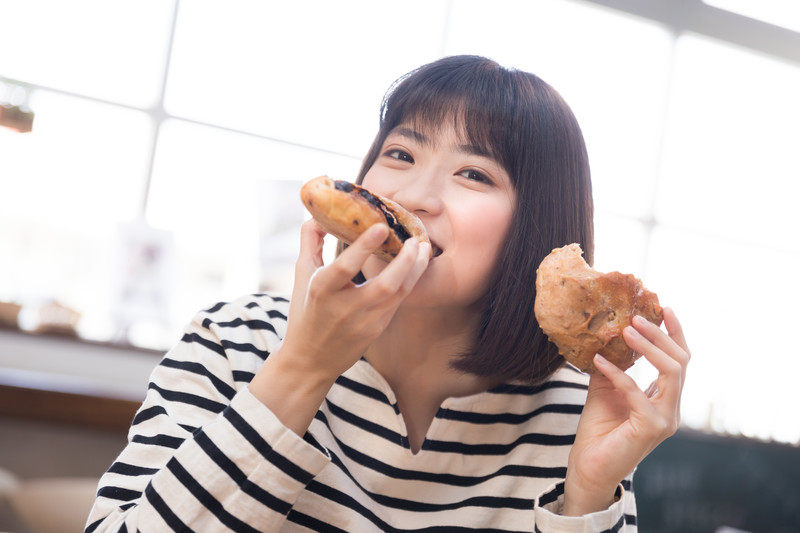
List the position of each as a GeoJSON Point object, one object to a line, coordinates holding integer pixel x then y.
{"type": "Point", "coordinates": [346, 211]}
{"type": "Point", "coordinates": [583, 312]}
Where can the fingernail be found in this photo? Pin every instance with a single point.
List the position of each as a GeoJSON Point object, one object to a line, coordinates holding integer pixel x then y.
{"type": "Point", "coordinates": [600, 360]}
{"type": "Point", "coordinates": [377, 231]}
{"type": "Point", "coordinates": [632, 331]}
{"type": "Point", "coordinates": [412, 243]}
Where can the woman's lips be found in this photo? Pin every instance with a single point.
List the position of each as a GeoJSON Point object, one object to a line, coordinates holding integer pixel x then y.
{"type": "Point", "coordinates": [436, 250]}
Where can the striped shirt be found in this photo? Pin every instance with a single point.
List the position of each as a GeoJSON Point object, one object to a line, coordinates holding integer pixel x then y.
{"type": "Point", "coordinates": [205, 455]}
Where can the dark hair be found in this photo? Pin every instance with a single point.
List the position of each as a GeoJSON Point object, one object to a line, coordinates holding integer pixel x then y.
{"type": "Point", "coordinates": [527, 128]}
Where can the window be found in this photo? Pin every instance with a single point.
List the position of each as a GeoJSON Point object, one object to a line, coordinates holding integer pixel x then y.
{"type": "Point", "coordinates": [725, 210]}
{"type": "Point", "coordinates": [170, 137]}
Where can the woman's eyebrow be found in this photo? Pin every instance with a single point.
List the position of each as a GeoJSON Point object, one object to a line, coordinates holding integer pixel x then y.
{"type": "Point", "coordinates": [421, 138]}
{"type": "Point", "coordinates": [472, 149]}
{"type": "Point", "coordinates": [409, 133]}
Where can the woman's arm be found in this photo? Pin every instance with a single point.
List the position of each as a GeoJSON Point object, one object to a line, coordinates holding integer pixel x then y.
{"type": "Point", "coordinates": [620, 516]}
{"type": "Point", "coordinates": [332, 321]}
{"type": "Point", "coordinates": [196, 442]}
{"type": "Point", "coordinates": [621, 424]}
{"type": "Point", "coordinates": [200, 440]}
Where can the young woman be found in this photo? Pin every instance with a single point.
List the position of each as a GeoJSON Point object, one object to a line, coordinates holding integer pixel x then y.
{"type": "Point", "coordinates": [419, 394]}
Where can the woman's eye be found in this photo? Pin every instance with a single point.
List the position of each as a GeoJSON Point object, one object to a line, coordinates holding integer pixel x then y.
{"type": "Point", "coordinates": [400, 155]}
{"type": "Point", "coordinates": [474, 175]}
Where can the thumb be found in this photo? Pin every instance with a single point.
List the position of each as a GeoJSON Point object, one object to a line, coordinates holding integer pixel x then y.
{"type": "Point", "coordinates": [310, 256]}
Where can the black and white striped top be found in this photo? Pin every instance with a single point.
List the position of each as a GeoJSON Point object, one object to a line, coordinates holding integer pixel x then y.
{"type": "Point", "coordinates": [205, 455]}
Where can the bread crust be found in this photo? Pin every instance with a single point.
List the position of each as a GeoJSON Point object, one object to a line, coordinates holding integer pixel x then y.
{"type": "Point", "coordinates": [346, 211]}
{"type": "Point", "coordinates": [583, 312]}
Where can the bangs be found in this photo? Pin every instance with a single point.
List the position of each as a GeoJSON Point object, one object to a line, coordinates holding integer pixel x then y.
{"type": "Point", "coordinates": [471, 127]}
{"type": "Point", "coordinates": [478, 104]}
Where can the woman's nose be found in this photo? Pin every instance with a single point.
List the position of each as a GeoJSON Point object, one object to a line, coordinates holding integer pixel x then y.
{"type": "Point", "coordinates": [422, 194]}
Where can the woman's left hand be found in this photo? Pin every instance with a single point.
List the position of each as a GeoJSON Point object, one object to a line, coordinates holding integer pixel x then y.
{"type": "Point", "coordinates": [620, 423]}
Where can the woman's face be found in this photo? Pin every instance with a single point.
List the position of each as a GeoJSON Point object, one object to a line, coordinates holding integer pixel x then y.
{"type": "Point", "coordinates": [464, 198]}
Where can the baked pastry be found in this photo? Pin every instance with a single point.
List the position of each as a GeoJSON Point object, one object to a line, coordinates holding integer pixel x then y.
{"type": "Point", "coordinates": [583, 312]}
{"type": "Point", "coordinates": [346, 211]}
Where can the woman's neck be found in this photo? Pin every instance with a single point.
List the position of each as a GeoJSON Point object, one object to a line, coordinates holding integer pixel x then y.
{"type": "Point", "coordinates": [418, 341]}
{"type": "Point", "coordinates": [415, 354]}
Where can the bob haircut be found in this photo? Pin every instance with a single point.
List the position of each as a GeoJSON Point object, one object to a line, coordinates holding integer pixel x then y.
{"type": "Point", "coordinates": [526, 127]}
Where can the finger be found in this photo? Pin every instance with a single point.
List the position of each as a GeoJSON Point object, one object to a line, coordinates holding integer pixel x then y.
{"type": "Point", "coordinates": [668, 352]}
{"type": "Point", "coordinates": [414, 261]}
{"type": "Point", "coordinates": [666, 343]}
{"type": "Point", "coordinates": [671, 373]}
{"type": "Point", "coordinates": [423, 259]}
{"type": "Point", "coordinates": [310, 257]}
{"type": "Point", "coordinates": [656, 416]}
{"type": "Point", "coordinates": [398, 276]}
{"type": "Point", "coordinates": [623, 383]}
{"type": "Point", "coordinates": [350, 262]}
{"type": "Point", "coordinates": [638, 342]}
{"type": "Point", "coordinates": [653, 416]}
{"type": "Point", "coordinates": [675, 330]}
{"type": "Point", "coordinates": [652, 390]}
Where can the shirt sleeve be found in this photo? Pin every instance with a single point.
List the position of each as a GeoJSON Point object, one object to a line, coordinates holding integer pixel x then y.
{"type": "Point", "coordinates": [619, 517]}
{"type": "Point", "coordinates": [203, 453]}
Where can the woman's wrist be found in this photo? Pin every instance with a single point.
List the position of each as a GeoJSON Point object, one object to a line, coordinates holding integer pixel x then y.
{"type": "Point", "coordinates": [579, 501]}
{"type": "Point", "coordinates": [291, 390]}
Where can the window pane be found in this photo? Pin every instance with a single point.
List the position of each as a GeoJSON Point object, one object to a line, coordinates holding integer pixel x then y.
{"type": "Point", "coordinates": [737, 304]}
{"type": "Point", "coordinates": [620, 244]}
{"type": "Point", "coordinates": [67, 185]}
{"type": "Point", "coordinates": [109, 50]}
{"type": "Point", "coordinates": [232, 203]}
{"type": "Point", "coordinates": [285, 70]}
{"type": "Point", "coordinates": [730, 160]}
{"type": "Point", "coordinates": [83, 163]}
{"type": "Point", "coordinates": [612, 69]}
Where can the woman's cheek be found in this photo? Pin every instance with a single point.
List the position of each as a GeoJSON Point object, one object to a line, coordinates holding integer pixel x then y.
{"type": "Point", "coordinates": [489, 235]}
{"type": "Point", "coordinates": [489, 230]}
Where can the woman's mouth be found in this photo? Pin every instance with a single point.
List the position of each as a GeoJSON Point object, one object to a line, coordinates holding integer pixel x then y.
{"type": "Point", "coordinates": [436, 251]}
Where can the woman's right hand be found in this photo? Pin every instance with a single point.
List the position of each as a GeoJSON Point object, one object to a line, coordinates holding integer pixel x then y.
{"type": "Point", "coordinates": [332, 320]}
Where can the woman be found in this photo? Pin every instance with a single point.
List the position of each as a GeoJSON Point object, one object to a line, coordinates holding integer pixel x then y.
{"type": "Point", "coordinates": [418, 394]}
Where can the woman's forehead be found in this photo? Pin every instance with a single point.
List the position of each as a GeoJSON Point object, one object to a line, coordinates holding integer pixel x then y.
{"type": "Point", "coordinates": [431, 138]}
{"type": "Point", "coordinates": [473, 123]}
{"type": "Point", "coordinates": [428, 130]}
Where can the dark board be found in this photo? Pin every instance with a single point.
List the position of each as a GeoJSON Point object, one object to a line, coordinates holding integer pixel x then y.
{"type": "Point", "coordinates": [699, 483]}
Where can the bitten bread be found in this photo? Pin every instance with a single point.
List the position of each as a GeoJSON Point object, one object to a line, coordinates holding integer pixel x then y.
{"type": "Point", "coordinates": [583, 312]}
{"type": "Point", "coordinates": [346, 211]}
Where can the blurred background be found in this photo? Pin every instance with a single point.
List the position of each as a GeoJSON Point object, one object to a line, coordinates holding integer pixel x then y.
{"type": "Point", "coordinates": [151, 152]}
